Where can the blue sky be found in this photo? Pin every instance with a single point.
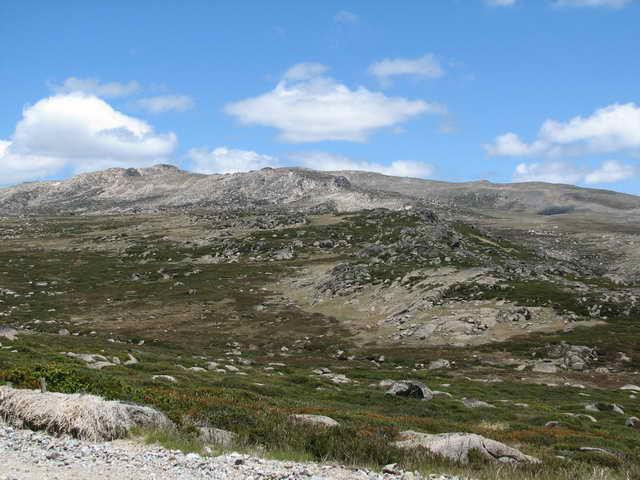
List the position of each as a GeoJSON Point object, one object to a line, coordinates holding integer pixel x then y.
{"type": "Point", "coordinates": [504, 90]}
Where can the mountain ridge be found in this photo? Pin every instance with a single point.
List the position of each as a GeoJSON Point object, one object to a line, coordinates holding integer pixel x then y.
{"type": "Point", "coordinates": [166, 186]}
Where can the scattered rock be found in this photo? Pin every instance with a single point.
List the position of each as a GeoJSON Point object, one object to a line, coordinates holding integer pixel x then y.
{"type": "Point", "coordinates": [518, 314]}
{"type": "Point", "coordinates": [100, 365]}
{"type": "Point", "coordinates": [284, 254]}
{"type": "Point", "coordinates": [439, 364]}
{"type": "Point", "coordinates": [471, 403]}
{"type": "Point", "coordinates": [407, 388]}
{"type": "Point", "coordinates": [545, 366]}
{"type": "Point", "coordinates": [318, 420]}
{"type": "Point", "coordinates": [632, 388]}
{"type": "Point", "coordinates": [591, 418]}
{"type": "Point", "coordinates": [94, 361]}
{"type": "Point", "coordinates": [391, 469]}
{"type": "Point", "coordinates": [131, 360]}
{"type": "Point", "coordinates": [623, 357]}
{"type": "Point", "coordinates": [574, 357]}
{"type": "Point", "coordinates": [164, 378]}
{"type": "Point", "coordinates": [8, 332]}
{"type": "Point", "coordinates": [604, 407]}
{"type": "Point", "coordinates": [633, 422]}
{"type": "Point", "coordinates": [337, 378]}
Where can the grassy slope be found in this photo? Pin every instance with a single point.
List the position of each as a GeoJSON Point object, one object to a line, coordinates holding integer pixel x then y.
{"type": "Point", "coordinates": [102, 302]}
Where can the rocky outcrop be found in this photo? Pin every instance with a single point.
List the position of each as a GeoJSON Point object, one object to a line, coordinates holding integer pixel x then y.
{"type": "Point", "coordinates": [456, 447]}
{"type": "Point", "coordinates": [573, 357]}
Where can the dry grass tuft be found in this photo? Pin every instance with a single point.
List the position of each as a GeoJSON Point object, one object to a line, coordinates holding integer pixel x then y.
{"type": "Point", "coordinates": [87, 417]}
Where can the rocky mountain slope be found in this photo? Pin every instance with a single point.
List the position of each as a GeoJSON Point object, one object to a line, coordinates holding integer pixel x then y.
{"type": "Point", "coordinates": [368, 338]}
{"type": "Point", "coordinates": [164, 186]}
{"type": "Point", "coordinates": [538, 197]}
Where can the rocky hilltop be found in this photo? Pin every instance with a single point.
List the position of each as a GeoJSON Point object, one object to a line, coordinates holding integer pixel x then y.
{"type": "Point", "coordinates": [119, 190]}
{"type": "Point", "coordinates": [165, 186]}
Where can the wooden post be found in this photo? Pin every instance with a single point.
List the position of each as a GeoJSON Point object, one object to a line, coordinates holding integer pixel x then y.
{"type": "Point", "coordinates": [43, 385]}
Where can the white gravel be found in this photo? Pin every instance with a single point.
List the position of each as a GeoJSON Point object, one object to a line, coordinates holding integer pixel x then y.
{"type": "Point", "coordinates": [27, 455]}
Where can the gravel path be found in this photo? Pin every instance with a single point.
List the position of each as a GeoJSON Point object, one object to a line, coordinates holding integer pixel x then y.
{"type": "Point", "coordinates": [27, 455]}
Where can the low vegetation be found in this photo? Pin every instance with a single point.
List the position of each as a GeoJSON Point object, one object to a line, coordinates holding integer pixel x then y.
{"type": "Point", "coordinates": [185, 313]}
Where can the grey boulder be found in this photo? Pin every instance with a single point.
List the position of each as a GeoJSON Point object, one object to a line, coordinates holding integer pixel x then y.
{"type": "Point", "coordinates": [408, 388]}
{"type": "Point", "coordinates": [318, 420]}
{"type": "Point", "coordinates": [456, 447]}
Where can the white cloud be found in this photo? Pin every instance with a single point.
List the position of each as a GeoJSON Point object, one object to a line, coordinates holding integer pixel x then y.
{"type": "Point", "coordinates": [592, 3]}
{"type": "Point", "coordinates": [305, 71]}
{"type": "Point", "coordinates": [78, 132]}
{"type": "Point", "coordinates": [425, 66]}
{"type": "Point", "coordinates": [93, 86]}
{"type": "Point", "coordinates": [610, 171]}
{"type": "Point", "coordinates": [308, 107]}
{"type": "Point", "coordinates": [615, 128]}
{"type": "Point", "coordinates": [500, 3]}
{"type": "Point", "coordinates": [4, 147]}
{"type": "Point", "coordinates": [552, 172]}
{"type": "Point", "coordinates": [165, 103]}
{"type": "Point", "coordinates": [344, 16]}
{"type": "Point", "coordinates": [332, 162]}
{"type": "Point", "coordinates": [509, 144]}
{"type": "Point", "coordinates": [228, 160]}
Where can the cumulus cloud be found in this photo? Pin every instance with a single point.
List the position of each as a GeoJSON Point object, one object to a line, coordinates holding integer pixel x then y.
{"type": "Point", "coordinates": [615, 128]}
{"type": "Point", "coordinates": [426, 66]}
{"type": "Point", "coordinates": [332, 162]}
{"type": "Point", "coordinates": [344, 16]}
{"type": "Point", "coordinates": [228, 160]}
{"type": "Point", "coordinates": [306, 106]}
{"type": "Point", "coordinates": [510, 145]}
{"type": "Point", "coordinates": [78, 132]}
{"type": "Point", "coordinates": [165, 103]}
{"type": "Point", "coordinates": [610, 171]}
{"type": "Point", "coordinates": [592, 3]}
{"type": "Point", "coordinates": [500, 3]}
{"type": "Point", "coordinates": [93, 86]}
{"type": "Point", "coordinates": [552, 172]}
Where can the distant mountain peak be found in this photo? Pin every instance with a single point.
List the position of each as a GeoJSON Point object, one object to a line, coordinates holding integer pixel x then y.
{"type": "Point", "coordinates": [166, 186]}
